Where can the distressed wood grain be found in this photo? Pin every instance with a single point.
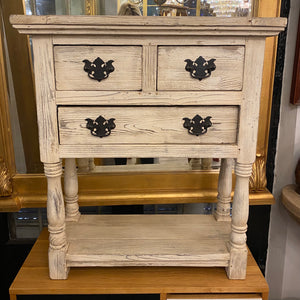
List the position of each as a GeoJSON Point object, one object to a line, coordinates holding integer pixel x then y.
{"type": "Point", "coordinates": [70, 75]}
{"type": "Point", "coordinates": [45, 98]}
{"type": "Point", "coordinates": [148, 125]}
{"type": "Point", "coordinates": [228, 74]}
{"type": "Point", "coordinates": [149, 98]}
{"type": "Point", "coordinates": [150, 240]}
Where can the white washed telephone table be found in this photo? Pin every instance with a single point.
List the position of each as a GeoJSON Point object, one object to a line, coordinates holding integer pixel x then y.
{"type": "Point", "coordinates": [147, 87]}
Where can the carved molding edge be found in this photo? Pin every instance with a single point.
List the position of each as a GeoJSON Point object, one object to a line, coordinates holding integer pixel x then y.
{"type": "Point", "coordinates": [5, 179]}
{"type": "Point", "coordinates": [90, 7]}
{"type": "Point", "coordinates": [258, 179]}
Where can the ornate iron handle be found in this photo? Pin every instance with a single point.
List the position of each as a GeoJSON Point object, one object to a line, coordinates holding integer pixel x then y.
{"type": "Point", "coordinates": [100, 127]}
{"type": "Point", "coordinates": [200, 68]}
{"type": "Point", "coordinates": [98, 69]}
{"type": "Point", "coordinates": [198, 125]}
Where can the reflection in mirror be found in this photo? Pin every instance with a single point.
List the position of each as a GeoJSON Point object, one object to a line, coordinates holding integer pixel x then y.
{"type": "Point", "coordinates": [28, 222]}
{"type": "Point", "coordinates": [146, 164]}
{"type": "Point", "coordinates": [223, 8]}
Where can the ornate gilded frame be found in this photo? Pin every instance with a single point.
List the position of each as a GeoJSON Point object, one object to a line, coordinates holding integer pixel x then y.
{"type": "Point", "coordinates": [29, 190]}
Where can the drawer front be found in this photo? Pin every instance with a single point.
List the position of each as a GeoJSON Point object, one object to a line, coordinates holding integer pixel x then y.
{"type": "Point", "coordinates": [70, 73]}
{"type": "Point", "coordinates": [227, 75]}
{"type": "Point", "coordinates": [148, 125]}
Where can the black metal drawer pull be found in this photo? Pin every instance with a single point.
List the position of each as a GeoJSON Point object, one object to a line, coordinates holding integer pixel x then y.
{"type": "Point", "coordinates": [198, 125]}
{"type": "Point", "coordinates": [100, 127]}
{"type": "Point", "coordinates": [200, 68]}
{"type": "Point", "coordinates": [98, 69]}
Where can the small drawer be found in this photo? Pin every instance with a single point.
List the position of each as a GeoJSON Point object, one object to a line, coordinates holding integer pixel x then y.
{"type": "Point", "coordinates": [70, 73]}
{"type": "Point", "coordinates": [227, 75]}
{"type": "Point", "coordinates": [148, 125]}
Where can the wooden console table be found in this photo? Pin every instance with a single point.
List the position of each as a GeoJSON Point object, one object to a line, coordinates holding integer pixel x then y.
{"type": "Point", "coordinates": [147, 87]}
{"type": "Point", "coordinates": [168, 282]}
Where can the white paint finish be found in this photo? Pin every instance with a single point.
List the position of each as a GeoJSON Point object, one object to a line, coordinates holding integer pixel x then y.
{"type": "Point", "coordinates": [144, 40]}
{"type": "Point", "coordinates": [149, 68]}
{"type": "Point", "coordinates": [57, 264]}
{"type": "Point", "coordinates": [56, 222]}
{"type": "Point", "coordinates": [148, 240]}
{"type": "Point", "coordinates": [45, 98]}
{"type": "Point", "coordinates": [123, 21]}
{"type": "Point", "coordinates": [149, 131]}
{"type": "Point", "coordinates": [148, 125]}
{"type": "Point", "coordinates": [147, 26]}
{"type": "Point", "coordinates": [137, 32]}
{"type": "Point", "coordinates": [228, 74]}
{"type": "Point", "coordinates": [71, 190]}
{"type": "Point", "coordinates": [240, 211]}
{"type": "Point", "coordinates": [283, 265]}
{"type": "Point", "coordinates": [222, 212]}
{"type": "Point", "coordinates": [249, 112]}
{"type": "Point", "coordinates": [71, 76]}
{"type": "Point", "coordinates": [83, 165]}
{"type": "Point", "coordinates": [150, 150]}
{"type": "Point", "coordinates": [148, 98]}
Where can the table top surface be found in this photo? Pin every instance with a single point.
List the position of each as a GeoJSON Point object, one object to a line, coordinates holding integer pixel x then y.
{"type": "Point", "coordinates": [149, 20]}
{"type": "Point", "coordinates": [33, 278]}
{"type": "Point", "coordinates": [62, 25]}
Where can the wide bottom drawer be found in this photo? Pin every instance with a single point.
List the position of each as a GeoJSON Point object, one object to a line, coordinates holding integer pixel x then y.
{"type": "Point", "coordinates": [148, 125]}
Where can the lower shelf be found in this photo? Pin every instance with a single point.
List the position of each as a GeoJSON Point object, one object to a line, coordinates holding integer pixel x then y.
{"type": "Point", "coordinates": [148, 240]}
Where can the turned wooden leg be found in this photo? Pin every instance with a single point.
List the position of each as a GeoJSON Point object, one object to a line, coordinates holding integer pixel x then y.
{"type": "Point", "coordinates": [131, 161]}
{"type": "Point", "coordinates": [206, 163]}
{"type": "Point", "coordinates": [71, 190]}
{"type": "Point", "coordinates": [222, 212]}
{"type": "Point", "coordinates": [83, 165]}
{"type": "Point", "coordinates": [240, 210]}
{"type": "Point", "coordinates": [56, 222]}
{"type": "Point", "coordinates": [195, 163]}
{"type": "Point", "coordinates": [91, 164]}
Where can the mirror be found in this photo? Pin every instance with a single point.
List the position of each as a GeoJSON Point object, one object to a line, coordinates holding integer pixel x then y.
{"type": "Point", "coordinates": [232, 8]}
{"type": "Point", "coordinates": [225, 8]}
